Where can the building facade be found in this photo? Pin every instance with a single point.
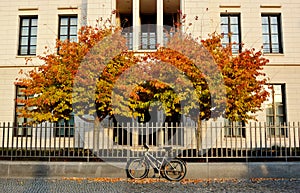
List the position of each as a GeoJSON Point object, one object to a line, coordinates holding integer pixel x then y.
{"type": "Point", "coordinates": [28, 27]}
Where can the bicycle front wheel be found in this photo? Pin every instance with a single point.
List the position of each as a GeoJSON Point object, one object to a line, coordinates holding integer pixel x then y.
{"type": "Point", "coordinates": [174, 170]}
{"type": "Point", "coordinates": [137, 169]}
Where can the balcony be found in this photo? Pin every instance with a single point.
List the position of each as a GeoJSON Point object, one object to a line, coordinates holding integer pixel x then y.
{"type": "Point", "coordinates": [146, 40]}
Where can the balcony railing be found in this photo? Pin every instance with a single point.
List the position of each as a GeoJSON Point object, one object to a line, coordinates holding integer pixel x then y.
{"type": "Point", "coordinates": [147, 40]}
{"type": "Point", "coordinates": [214, 141]}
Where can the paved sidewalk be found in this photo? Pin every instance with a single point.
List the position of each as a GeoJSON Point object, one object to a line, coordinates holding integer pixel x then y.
{"type": "Point", "coordinates": [22, 185]}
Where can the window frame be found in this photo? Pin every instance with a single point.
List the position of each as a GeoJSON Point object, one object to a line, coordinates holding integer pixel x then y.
{"type": "Point", "coordinates": [68, 36]}
{"type": "Point", "coordinates": [277, 129]}
{"type": "Point", "coordinates": [28, 44]}
{"type": "Point", "coordinates": [269, 34]}
{"type": "Point", "coordinates": [229, 28]}
{"type": "Point", "coordinates": [65, 128]}
{"type": "Point", "coordinates": [235, 129]}
{"type": "Point", "coordinates": [21, 130]}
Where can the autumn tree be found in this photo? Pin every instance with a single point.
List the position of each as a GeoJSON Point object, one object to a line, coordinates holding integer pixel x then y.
{"type": "Point", "coordinates": [98, 76]}
{"type": "Point", "coordinates": [50, 86]}
{"type": "Point", "coordinates": [227, 85]}
{"type": "Point", "coordinates": [243, 77]}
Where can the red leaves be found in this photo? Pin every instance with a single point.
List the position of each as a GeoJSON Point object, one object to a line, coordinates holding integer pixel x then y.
{"type": "Point", "coordinates": [242, 76]}
{"type": "Point", "coordinates": [51, 84]}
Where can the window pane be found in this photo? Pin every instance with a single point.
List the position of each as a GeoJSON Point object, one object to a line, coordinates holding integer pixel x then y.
{"type": "Point", "coordinates": [32, 49]}
{"type": "Point", "coordinates": [273, 20]}
{"type": "Point", "coordinates": [265, 29]}
{"type": "Point", "coordinates": [33, 41]}
{"type": "Point", "coordinates": [269, 120]}
{"type": "Point", "coordinates": [264, 20]}
{"type": "Point", "coordinates": [63, 30]}
{"type": "Point", "coordinates": [275, 48]}
{"type": "Point", "coordinates": [266, 39]}
{"type": "Point", "coordinates": [73, 30]}
{"type": "Point", "coordinates": [63, 21]}
{"type": "Point", "coordinates": [280, 120]}
{"type": "Point", "coordinates": [34, 22]}
{"type": "Point", "coordinates": [225, 39]}
{"type": "Point", "coordinates": [275, 39]}
{"type": "Point", "coordinates": [234, 20]}
{"type": "Point", "coordinates": [266, 49]}
{"type": "Point", "coordinates": [23, 50]}
{"type": "Point", "coordinates": [235, 48]}
{"type": "Point", "coordinates": [278, 93]}
{"type": "Point", "coordinates": [224, 20]}
{"type": "Point", "coordinates": [235, 38]}
{"type": "Point", "coordinates": [34, 31]}
{"type": "Point", "coordinates": [25, 22]}
{"type": "Point", "coordinates": [235, 29]}
{"type": "Point", "coordinates": [20, 91]}
{"type": "Point", "coordinates": [73, 38]}
{"type": "Point", "coordinates": [274, 29]}
{"type": "Point", "coordinates": [280, 110]}
{"type": "Point", "coordinates": [24, 31]}
{"type": "Point", "coordinates": [73, 21]}
{"type": "Point", "coordinates": [24, 41]}
{"type": "Point", "coordinates": [224, 29]}
{"type": "Point", "coordinates": [152, 40]}
{"type": "Point", "coordinates": [63, 38]}
{"type": "Point", "coordinates": [270, 111]}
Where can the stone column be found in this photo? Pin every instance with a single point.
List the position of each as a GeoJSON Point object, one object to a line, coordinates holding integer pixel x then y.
{"type": "Point", "coordinates": [159, 21]}
{"type": "Point", "coordinates": [136, 23]}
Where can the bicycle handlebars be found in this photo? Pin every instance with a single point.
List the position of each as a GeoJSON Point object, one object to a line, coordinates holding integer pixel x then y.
{"type": "Point", "coordinates": [146, 146]}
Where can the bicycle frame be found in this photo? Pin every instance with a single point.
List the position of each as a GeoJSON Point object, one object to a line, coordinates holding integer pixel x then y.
{"type": "Point", "coordinates": [154, 162]}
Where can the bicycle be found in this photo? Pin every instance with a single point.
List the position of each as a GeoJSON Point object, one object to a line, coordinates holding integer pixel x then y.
{"type": "Point", "coordinates": [173, 169]}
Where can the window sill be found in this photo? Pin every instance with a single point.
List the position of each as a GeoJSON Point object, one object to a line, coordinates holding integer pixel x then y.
{"type": "Point", "coordinates": [26, 56]}
{"type": "Point", "coordinates": [143, 51]}
{"type": "Point", "coordinates": [275, 54]}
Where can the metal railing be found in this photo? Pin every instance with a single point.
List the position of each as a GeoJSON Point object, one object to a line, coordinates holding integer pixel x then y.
{"type": "Point", "coordinates": [147, 40]}
{"type": "Point", "coordinates": [211, 141]}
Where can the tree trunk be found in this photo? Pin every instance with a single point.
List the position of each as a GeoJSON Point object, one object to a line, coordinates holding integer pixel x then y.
{"type": "Point", "coordinates": [199, 136]}
{"type": "Point", "coordinates": [96, 136]}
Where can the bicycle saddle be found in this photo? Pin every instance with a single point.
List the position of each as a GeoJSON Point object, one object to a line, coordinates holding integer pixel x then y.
{"type": "Point", "coordinates": [146, 146]}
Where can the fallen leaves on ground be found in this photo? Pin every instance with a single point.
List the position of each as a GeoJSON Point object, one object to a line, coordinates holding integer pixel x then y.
{"type": "Point", "coordinates": [258, 180]}
{"type": "Point", "coordinates": [152, 180]}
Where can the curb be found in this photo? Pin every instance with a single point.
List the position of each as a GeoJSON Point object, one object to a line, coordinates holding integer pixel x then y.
{"type": "Point", "coordinates": [237, 170]}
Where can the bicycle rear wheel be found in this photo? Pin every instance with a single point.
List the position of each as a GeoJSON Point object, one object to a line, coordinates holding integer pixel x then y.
{"type": "Point", "coordinates": [174, 170]}
{"type": "Point", "coordinates": [137, 169]}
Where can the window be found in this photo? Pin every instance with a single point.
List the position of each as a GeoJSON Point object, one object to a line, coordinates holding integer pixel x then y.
{"type": "Point", "coordinates": [126, 24]}
{"type": "Point", "coordinates": [68, 28]}
{"type": "Point", "coordinates": [235, 129]}
{"type": "Point", "coordinates": [65, 128]}
{"type": "Point", "coordinates": [276, 110]}
{"type": "Point", "coordinates": [230, 27]}
{"type": "Point", "coordinates": [146, 22]}
{"type": "Point", "coordinates": [28, 35]}
{"type": "Point", "coordinates": [271, 33]}
{"type": "Point", "coordinates": [21, 127]}
{"type": "Point", "coordinates": [148, 31]}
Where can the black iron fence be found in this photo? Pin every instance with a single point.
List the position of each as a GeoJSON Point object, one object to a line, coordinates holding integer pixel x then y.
{"type": "Point", "coordinates": [212, 141]}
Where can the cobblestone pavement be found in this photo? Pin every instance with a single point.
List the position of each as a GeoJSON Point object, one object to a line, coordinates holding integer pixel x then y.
{"type": "Point", "coordinates": [92, 185]}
